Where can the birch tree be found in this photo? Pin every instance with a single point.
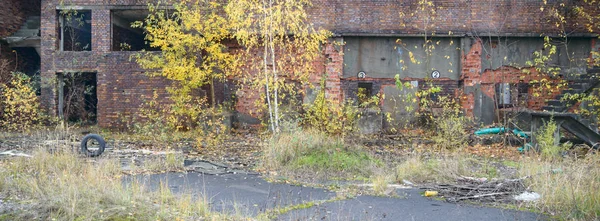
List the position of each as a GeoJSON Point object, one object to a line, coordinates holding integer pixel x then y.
{"type": "Point", "coordinates": [279, 45]}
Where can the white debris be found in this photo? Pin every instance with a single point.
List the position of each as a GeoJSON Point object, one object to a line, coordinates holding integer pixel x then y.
{"type": "Point", "coordinates": [408, 183]}
{"type": "Point", "coordinates": [15, 153]}
{"type": "Point", "coordinates": [528, 196]}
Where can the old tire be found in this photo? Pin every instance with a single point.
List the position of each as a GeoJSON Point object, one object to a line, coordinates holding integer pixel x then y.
{"type": "Point", "coordinates": [90, 153]}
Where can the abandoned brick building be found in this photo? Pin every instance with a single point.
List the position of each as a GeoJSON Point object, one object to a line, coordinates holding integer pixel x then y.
{"type": "Point", "coordinates": [483, 46]}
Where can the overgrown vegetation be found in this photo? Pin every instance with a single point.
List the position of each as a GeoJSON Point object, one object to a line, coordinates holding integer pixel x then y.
{"type": "Point", "coordinates": [63, 186]}
{"type": "Point", "coordinates": [330, 116]}
{"type": "Point", "coordinates": [441, 115]}
{"type": "Point", "coordinates": [315, 151]}
{"type": "Point", "coordinates": [165, 123]}
{"type": "Point", "coordinates": [422, 170]}
{"type": "Point", "coordinates": [451, 126]}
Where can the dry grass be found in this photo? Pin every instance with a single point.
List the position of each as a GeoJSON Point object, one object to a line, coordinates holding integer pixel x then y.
{"type": "Point", "coordinates": [380, 184]}
{"type": "Point", "coordinates": [62, 186]}
{"type": "Point", "coordinates": [569, 189]}
{"type": "Point", "coordinates": [172, 161]}
{"type": "Point", "coordinates": [439, 169]}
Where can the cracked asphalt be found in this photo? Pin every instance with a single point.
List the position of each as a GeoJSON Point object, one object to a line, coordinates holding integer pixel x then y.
{"type": "Point", "coordinates": [249, 195]}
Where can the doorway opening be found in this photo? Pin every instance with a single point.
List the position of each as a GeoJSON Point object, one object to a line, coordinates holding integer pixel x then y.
{"type": "Point", "coordinates": [77, 98]}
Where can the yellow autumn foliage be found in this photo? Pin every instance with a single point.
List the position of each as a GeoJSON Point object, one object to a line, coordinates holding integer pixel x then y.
{"type": "Point", "coordinates": [19, 103]}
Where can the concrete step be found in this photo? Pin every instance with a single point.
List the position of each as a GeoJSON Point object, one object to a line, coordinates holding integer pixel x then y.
{"type": "Point", "coordinates": [556, 103]}
{"type": "Point", "coordinates": [577, 86]}
{"type": "Point", "coordinates": [553, 108]}
{"type": "Point", "coordinates": [571, 91]}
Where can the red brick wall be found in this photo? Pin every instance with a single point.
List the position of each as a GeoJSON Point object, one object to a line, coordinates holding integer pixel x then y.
{"type": "Point", "coordinates": [121, 83]}
{"type": "Point", "coordinates": [331, 63]}
{"type": "Point", "coordinates": [476, 17]}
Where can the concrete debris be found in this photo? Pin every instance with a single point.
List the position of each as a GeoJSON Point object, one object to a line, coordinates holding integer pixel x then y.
{"type": "Point", "coordinates": [210, 168]}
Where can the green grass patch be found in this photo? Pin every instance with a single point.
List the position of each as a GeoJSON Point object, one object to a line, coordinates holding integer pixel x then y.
{"type": "Point", "coordinates": [302, 151]}
{"type": "Point", "coordinates": [336, 160]}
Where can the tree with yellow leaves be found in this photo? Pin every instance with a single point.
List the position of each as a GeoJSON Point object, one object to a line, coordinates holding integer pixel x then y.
{"type": "Point", "coordinates": [286, 43]}
{"type": "Point", "coordinates": [191, 39]}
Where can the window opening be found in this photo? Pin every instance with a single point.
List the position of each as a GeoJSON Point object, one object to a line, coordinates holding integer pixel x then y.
{"type": "Point", "coordinates": [365, 91]}
{"type": "Point", "coordinates": [75, 32]}
{"type": "Point", "coordinates": [124, 37]}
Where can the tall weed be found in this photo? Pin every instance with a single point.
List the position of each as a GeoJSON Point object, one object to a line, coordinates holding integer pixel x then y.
{"type": "Point", "coordinates": [546, 144]}
{"type": "Point", "coordinates": [568, 189]}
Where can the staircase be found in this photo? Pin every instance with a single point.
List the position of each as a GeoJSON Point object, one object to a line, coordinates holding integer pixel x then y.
{"type": "Point", "coordinates": [27, 36]}
{"type": "Point", "coordinates": [557, 109]}
{"type": "Point", "coordinates": [568, 121]}
{"type": "Point", "coordinates": [582, 84]}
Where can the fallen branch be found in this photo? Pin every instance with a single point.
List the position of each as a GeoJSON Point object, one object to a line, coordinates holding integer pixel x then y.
{"type": "Point", "coordinates": [481, 196]}
{"type": "Point", "coordinates": [479, 188]}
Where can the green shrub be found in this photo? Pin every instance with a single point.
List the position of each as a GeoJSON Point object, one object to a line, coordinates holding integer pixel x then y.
{"type": "Point", "coordinates": [546, 141]}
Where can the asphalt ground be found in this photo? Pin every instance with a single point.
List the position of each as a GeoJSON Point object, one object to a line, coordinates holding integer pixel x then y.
{"type": "Point", "coordinates": [249, 194]}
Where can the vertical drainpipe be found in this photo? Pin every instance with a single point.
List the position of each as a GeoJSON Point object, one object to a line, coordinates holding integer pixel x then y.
{"type": "Point", "coordinates": [60, 88]}
{"type": "Point", "coordinates": [61, 21]}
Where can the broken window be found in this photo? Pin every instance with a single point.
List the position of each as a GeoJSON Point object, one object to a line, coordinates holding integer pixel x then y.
{"type": "Point", "coordinates": [75, 30]}
{"type": "Point", "coordinates": [124, 37]}
{"type": "Point", "coordinates": [77, 99]}
{"type": "Point", "coordinates": [511, 94]}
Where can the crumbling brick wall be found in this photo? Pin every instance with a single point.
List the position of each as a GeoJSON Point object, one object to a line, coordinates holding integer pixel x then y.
{"type": "Point", "coordinates": [472, 76]}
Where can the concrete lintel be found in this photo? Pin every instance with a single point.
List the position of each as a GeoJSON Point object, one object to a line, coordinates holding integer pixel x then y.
{"type": "Point", "coordinates": [25, 42]}
{"type": "Point", "coordinates": [76, 71]}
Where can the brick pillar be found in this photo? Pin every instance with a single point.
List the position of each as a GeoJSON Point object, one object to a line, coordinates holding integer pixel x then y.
{"type": "Point", "coordinates": [471, 76]}
{"type": "Point", "coordinates": [101, 30]}
{"type": "Point", "coordinates": [48, 45]}
{"type": "Point", "coordinates": [334, 69]}
{"type": "Point", "coordinates": [101, 44]}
